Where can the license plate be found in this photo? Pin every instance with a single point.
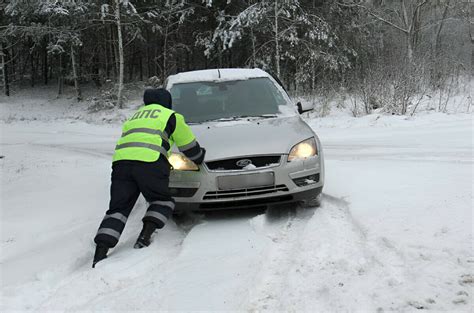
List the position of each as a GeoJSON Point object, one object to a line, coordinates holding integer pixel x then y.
{"type": "Point", "coordinates": [245, 181]}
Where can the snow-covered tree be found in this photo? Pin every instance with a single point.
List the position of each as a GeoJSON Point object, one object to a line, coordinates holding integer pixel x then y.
{"type": "Point", "coordinates": [54, 27]}
{"type": "Point", "coordinates": [282, 31]}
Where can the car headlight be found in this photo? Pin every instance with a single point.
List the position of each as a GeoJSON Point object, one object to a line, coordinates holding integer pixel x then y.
{"type": "Point", "coordinates": [181, 163]}
{"type": "Point", "coordinates": [303, 150]}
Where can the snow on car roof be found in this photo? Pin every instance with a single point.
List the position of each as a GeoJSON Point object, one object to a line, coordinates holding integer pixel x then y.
{"type": "Point", "coordinates": [214, 75]}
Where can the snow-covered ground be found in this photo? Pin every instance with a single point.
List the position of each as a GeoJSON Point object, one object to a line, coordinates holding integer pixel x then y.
{"type": "Point", "coordinates": [394, 231]}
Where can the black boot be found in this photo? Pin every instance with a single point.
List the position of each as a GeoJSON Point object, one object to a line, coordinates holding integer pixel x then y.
{"type": "Point", "coordinates": [100, 254]}
{"type": "Point", "coordinates": [144, 238]}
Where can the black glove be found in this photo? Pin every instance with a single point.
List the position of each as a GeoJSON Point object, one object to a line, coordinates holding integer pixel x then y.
{"type": "Point", "coordinates": [201, 158]}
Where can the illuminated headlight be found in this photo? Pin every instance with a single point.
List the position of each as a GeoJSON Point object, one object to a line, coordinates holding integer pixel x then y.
{"type": "Point", "coordinates": [303, 150]}
{"type": "Point", "coordinates": [181, 163]}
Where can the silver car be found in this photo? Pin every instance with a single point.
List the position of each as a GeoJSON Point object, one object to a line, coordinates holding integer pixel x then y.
{"type": "Point", "coordinates": [259, 150]}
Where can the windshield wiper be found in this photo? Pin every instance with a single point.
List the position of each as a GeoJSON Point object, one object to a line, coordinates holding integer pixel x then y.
{"type": "Point", "coordinates": [234, 118]}
{"type": "Point", "coordinates": [261, 116]}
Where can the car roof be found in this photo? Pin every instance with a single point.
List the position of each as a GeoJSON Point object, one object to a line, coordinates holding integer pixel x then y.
{"type": "Point", "coordinates": [215, 75]}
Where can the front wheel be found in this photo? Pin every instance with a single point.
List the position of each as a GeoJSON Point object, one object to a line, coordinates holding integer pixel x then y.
{"type": "Point", "coordinates": [314, 202]}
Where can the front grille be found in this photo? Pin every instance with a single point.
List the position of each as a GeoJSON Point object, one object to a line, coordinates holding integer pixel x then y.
{"type": "Point", "coordinates": [231, 164]}
{"type": "Point", "coordinates": [237, 193]}
{"type": "Point", "coordinates": [248, 203]}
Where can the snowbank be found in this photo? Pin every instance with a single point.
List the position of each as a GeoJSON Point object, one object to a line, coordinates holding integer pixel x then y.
{"type": "Point", "coordinates": [43, 104]}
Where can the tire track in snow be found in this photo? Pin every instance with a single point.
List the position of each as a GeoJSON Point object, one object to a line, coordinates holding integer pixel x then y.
{"type": "Point", "coordinates": [324, 261]}
{"type": "Point", "coordinates": [214, 270]}
{"type": "Point", "coordinates": [283, 234]}
{"type": "Point", "coordinates": [154, 277]}
{"type": "Point", "coordinates": [75, 149]}
{"type": "Point", "coordinates": [76, 286]}
{"type": "Point", "coordinates": [122, 275]}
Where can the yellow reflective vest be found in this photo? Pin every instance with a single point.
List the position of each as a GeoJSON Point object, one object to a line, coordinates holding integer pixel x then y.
{"type": "Point", "coordinates": [144, 137]}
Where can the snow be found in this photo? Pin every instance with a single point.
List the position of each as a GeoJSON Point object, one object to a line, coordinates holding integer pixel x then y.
{"type": "Point", "coordinates": [249, 167]}
{"type": "Point", "coordinates": [213, 75]}
{"type": "Point", "coordinates": [43, 104]}
{"type": "Point", "coordinates": [394, 230]}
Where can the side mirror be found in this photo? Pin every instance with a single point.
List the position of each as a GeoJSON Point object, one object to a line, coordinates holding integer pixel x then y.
{"type": "Point", "coordinates": [304, 107]}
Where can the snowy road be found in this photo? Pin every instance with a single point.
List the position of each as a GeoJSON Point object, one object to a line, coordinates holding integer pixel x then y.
{"type": "Point", "coordinates": [394, 230]}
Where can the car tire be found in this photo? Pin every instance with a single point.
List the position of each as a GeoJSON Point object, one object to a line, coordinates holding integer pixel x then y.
{"type": "Point", "coordinates": [186, 220]}
{"type": "Point", "coordinates": [312, 203]}
{"type": "Point", "coordinates": [278, 211]}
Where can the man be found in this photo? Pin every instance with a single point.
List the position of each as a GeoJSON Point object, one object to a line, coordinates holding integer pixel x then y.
{"type": "Point", "coordinates": [140, 165]}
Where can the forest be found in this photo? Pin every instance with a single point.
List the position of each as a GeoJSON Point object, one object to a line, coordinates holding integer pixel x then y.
{"type": "Point", "coordinates": [384, 53]}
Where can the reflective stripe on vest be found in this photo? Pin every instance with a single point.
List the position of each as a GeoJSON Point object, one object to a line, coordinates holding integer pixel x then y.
{"type": "Point", "coordinates": [142, 145]}
{"type": "Point", "coordinates": [143, 135]}
{"type": "Point", "coordinates": [150, 131]}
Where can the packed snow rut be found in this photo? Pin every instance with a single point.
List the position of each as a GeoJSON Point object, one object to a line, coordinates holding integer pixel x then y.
{"type": "Point", "coordinates": [293, 259]}
{"type": "Point", "coordinates": [324, 258]}
{"type": "Point", "coordinates": [242, 260]}
{"type": "Point", "coordinates": [316, 256]}
{"type": "Point", "coordinates": [284, 242]}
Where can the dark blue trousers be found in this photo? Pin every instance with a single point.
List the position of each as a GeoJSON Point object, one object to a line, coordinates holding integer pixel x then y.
{"type": "Point", "coordinates": [129, 179]}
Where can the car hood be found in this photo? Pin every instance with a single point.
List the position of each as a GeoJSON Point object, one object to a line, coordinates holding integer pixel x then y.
{"type": "Point", "coordinates": [251, 137]}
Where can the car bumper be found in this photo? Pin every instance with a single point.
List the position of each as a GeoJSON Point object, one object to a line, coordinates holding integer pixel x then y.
{"type": "Point", "coordinates": [295, 181]}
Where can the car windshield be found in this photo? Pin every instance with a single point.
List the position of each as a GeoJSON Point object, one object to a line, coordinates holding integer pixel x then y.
{"type": "Point", "coordinates": [207, 101]}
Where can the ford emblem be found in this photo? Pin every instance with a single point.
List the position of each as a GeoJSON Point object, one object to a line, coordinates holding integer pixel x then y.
{"type": "Point", "coordinates": [243, 162]}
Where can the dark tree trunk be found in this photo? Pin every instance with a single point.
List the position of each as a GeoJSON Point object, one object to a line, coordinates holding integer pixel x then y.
{"type": "Point", "coordinates": [6, 79]}
{"type": "Point", "coordinates": [107, 55]}
{"type": "Point", "coordinates": [4, 62]}
{"type": "Point", "coordinates": [60, 76]}
{"type": "Point", "coordinates": [32, 69]}
{"type": "Point", "coordinates": [140, 65]}
{"type": "Point", "coordinates": [177, 64]}
{"type": "Point", "coordinates": [231, 63]}
{"type": "Point", "coordinates": [23, 63]}
{"type": "Point", "coordinates": [114, 48]}
{"type": "Point", "coordinates": [13, 65]}
{"type": "Point", "coordinates": [77, 87]}
{"type": "Point", "coordinates": [187, 61]}
{"type": "Point", "coordinates": [79, 63]}
{"type": "Point", "coordinates": [120, 53]}
{"type": "Point", "coordinates": [96, 70]}
{"type": "Point", "coordinates": [148, 58]}
{"type": "Point", "coordinates": [45, 65]}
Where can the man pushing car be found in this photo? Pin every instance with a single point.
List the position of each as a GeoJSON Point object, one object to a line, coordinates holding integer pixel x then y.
{"type": "Point", "coordinates": [140, 165]}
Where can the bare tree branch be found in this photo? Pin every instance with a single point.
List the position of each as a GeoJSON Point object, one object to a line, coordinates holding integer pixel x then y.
{"type": "Point", "coordinates": [378, 17]}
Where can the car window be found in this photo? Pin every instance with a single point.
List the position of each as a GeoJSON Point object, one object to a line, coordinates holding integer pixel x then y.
{"type": "Point", "coordinates": [202, 101]}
